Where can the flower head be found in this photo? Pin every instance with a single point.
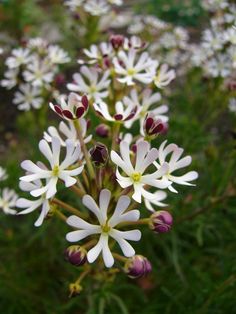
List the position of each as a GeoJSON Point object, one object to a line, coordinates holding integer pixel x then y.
{"type": "Point", "coordinates": [8, 200]}
{"type": "Point", "coordinates": [106, 227]}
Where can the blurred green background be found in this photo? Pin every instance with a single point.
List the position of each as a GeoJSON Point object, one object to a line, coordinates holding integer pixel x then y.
{"type": "Point", "coordinates": [194, 266]}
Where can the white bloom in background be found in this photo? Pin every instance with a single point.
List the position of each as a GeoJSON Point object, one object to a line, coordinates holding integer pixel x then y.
{"type": "Point", "coordinates": [74, 4]}
{"type": "Point", "coordinates": [230, 35]}
{"type": "Point", "coordinates": [145, 104]}
{"type": "Point", "coordinates": [131, 66]}
{"type": "Point", "coordinates": [37, 43]}
{"type": "Point", "coordinates": [96, 7]}
{"type": "Point", "coordinates": [122, 112]}
{"type": "Point", "coordinates": [232, 105]}
{"type": "Point", "coordinates": [214, 5]}
{"type": "Point", "coordinates": [171, 155]}
{"type": "Point", "coordinates": [182, 36]}
{"type": "Point", "coordinates": [59, 170]}
{"type": "Point", "coordinates": [232, 53]}
{"type": "Point", "coordinates": [115, 2]}
{"type": "Point", "coordinates": [57, 55]}
{"type": "Point", "coordinates": [68, 131]}
{"type": "Point", "coordinates": [168, 40]}
{"type": "Point", "coordinates": [164, 76]}
{"type": "Point", "coordinates": [220, 67]}
{"type": "Point", "coordinates": [213, 40]}
{"type": "Point", "coordinates": [135, 176]}
{"type": "Point", "coordinates": [105, 227]}
{"type": "Point", "coordinates": [10, 78]}
{"type": "Point", "coordinates": [230, 16]}
{"type": "Point", "coordinates": [19, 56]}
{"type": "Point", "coordinates": [157, 199]}
{"type": "Point", "coordinates": [97, 53]}
{"type": "Point", "coordinates": [8, 200]}
{"type": "Point", "coordinates": [90, 83]}
{"type": "Point", "coordinates": [3, 174]}
{"type": "Point", "coordinates": [198, 55]}
{"type": "Point", "coordinates": [32, 205]}
{"type": "Point", "coordinates": [28, 97]}
{"type": "Point", "coordinates": [38, 73]}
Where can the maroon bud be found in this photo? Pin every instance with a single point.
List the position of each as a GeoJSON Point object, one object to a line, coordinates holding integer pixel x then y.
{"type": "Point", "coordinates": [137, 266]}
{"type": "Point", "coordinates": [161, 221]}
{"type": "Point", "coordinates": [117, 41]}
{"type": "Point", "coordinates": [59, 79]}
{"type": "Point", "coordinates": [76, 255]}
{"type": "Point", "coordinates": [153, 127]}
{"type": "Point", "coordinates": [99, 154]}
{"type": "Point", "coordinates": [102, 130]}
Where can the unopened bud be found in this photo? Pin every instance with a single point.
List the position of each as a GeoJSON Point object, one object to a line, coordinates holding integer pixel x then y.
{"type": "Point", "coordinates": [117, 41]}
{"type": "Point", "coordinates": [76, 255]}
{"type": "Point", "coordinates": [153, 127]}
{"type": "Point", "coordinates": [102, 130]}
{"type": "Point", "coordinates": [137, 266]}
{"type": "Point", "coordinates": [161, 221]}
{"type": "Point", "coordinates": [99, 154]}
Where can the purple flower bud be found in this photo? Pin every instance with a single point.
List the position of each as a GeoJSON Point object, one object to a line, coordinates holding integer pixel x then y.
{"type": "Point", "coordinates": [153, 127]}
{"type": "Point", "coordinates": [117, 41]}
{"type": "Point", "coordinates": [76, 255]}
{"type": "Point", "coordinates": [99, 154]}
{"type": "Point", "coordinates": [102, 130]}
{"type": "Point", "coordinates": [60, 79]}
{"type": "Point", "coordinates": [161, 221]}
{"type": "Point", "coordinates": [137, 266]}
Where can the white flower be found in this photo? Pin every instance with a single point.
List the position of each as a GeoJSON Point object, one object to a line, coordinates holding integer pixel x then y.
{"type": "Point", "coordinates": [145, 103]}
{"type": "Point", "coordinates": [132, 67]}
{"type": "Point", "coordinates": [3, 174]}
{"type": "Point", "coordinates": [92, 85]}
{"type": "Point", "coordinates": [157, 199]}
{"type": "Point", "coordinates": [230, 17]}
{"type": "Point", "coordinates": [220, 67]}
{"type": "Point", "coordinates": [213, 40]}
{"type": "Point", "coordinates": [8, 200]}
{"type": "Point", "coordinates": [163, 76]}
{"type": "Point", "coordinates": [115, 2]}
{"type": "Point", "coordinates": [232, 105]}
{"type": "Point", "coordinates": [106, 227]}
{"type": "Point", "coordinates": [57, 55]}
{"type": "Point", "coordinates": [38, 73]}
{"type": "Point", "coordinates": [122, 112]}
{"type": "Point", "coordinates": [67, 131]}
{"type": "Point", "coordinates": [230, 35]}
{"type": "Point", "coordinates": [135, 174]}
{"type": "Point", "coordinates": [96, 7]}
{"type": "Point", "coordinates": [11, 78]}
{"type": "Point", "coordinates": [97, 53]}
{"type": "Point", "coordinates": [32, 205]}
{"type": "Point", "coordinates": [232, 52]}
{"type": "Point", "coordinates": [73, 4]}
{"type": "Point", "coordinates": [27, 97]}
{"type": "Point", "coordinates": [19, 56]}
{"type": "Point", "coordinates": [174, 164]}
{"type": "Point", "coordinates": [37, 43]}
{"type": "Point", "coordinates": [214, 5]}
{"type": "Point", "coordinates": [59, 170]}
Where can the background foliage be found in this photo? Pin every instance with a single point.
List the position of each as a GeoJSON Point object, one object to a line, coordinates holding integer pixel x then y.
{"type": "Point", "coordinates": [194, 265]}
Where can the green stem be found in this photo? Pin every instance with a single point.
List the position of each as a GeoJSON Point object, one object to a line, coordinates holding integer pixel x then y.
{"type": "Point", "coordinates": [69, 208]}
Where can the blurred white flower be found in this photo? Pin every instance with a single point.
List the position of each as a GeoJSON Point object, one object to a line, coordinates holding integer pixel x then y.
{"type": "Point", "coordinates": [164, 76]}
{"type": "Point", "coordinates": [219, 67]}
{"type": "Point", "coordinates": [32, 205]}
{"type": "Point", "coordinates": [96, 7]}
{"type": "Point", "coordinates": [57, 55]}
{"type": "Point", "coordinates": [174, 163]}
{"type": "Point", "coordinates": [213, 40]}
{"type": "Point", "coordinates": [130, 66]}
{"type": "Point", "coordinates": [90, 83]}
{"type": "Point", "coordinates": [3, 174]}
{"type": "Point", "coordinates": [135, 176]}
{"type": "Point", "coordinates": [232, 105]}
{"type": "Point", "coordinates": [59, 170]}
{"type": "Point", "coordinates": [8, 200]}
{"type": "Point", "coordinates": [67, 131]}
{"type": "Point", "coordinates": [38, 73]}
{"type": "Point", "coordinates": [105, 227]}
{"type": "Point", "coordinates": [10, 78]}
{"type": "Point", "coordinates": [28, 97]}
{"type": "Point", "coordinates": [19, 56]}
{"type": "Point", "coordinates": [97, 53]}
{"type": "Point", "coordinates": [157, 199]}
{"type": "Point", "coordinates": [73, 4]}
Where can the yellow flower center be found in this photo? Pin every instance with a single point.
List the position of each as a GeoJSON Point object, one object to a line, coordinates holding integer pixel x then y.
{"type": "Point", "coordinates": [136, 176]}
{"type": "Point", "coordinates": [93, 89]}
{"type": "Point", "coordinates": [55, 171]}
{"type": "Point", "coordinates": [131, 71]}
{"type": "Point", "coordinates": [106, 228]}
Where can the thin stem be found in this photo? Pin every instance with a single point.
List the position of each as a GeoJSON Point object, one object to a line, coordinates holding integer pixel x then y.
{"type": "Point", "coordinates": [144, 221]}
{"type": "Point", "coordinates": [120, 258]}
{"type": "Point", "coordinates": [81, 277]}
{"type": "Point", "coordinates": [116, 129]}
{"type": "Point", "coordinates": [89, 244]}
{"type": "Point", "coordinates": [77, 190]}
{"type": "Point", "coordinates": [60, 215]}
{"type": "Point", "coordinates": [69, 208]}
{"type": "Point", "coordinates": [84, 149]}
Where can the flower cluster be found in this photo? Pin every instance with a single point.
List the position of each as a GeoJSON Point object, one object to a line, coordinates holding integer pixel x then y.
{"type": "Point", "coordinates": [216, 54]}
{"type": "Point", "coordinates": [120, 176]}
{"type": "Point", "coordinates": [32, 68]}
